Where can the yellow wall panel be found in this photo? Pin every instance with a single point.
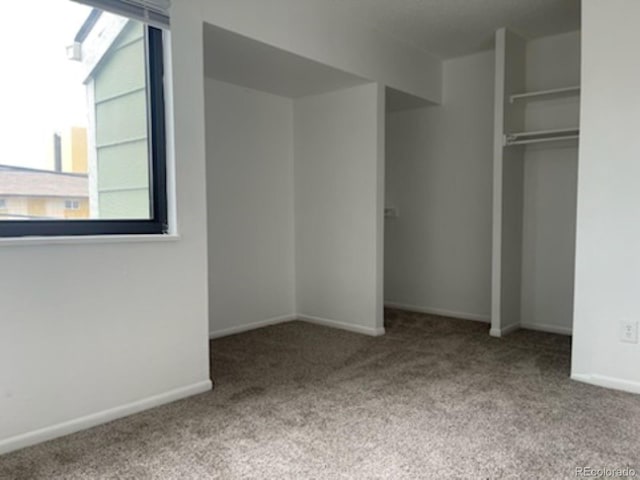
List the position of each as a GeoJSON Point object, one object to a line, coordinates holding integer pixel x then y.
{"type": "Point", "coordinates": [37, 207]}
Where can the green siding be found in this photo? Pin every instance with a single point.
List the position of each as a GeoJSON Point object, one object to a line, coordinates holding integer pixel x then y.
{"type": "Point", "coordinates": [133, 31]}
{"type": "Point", "coordinates": [124, 166]}
{"type": "Point", "coordinates": [126, 204]}
{"type": "Point", "coordinates": [124, 73]}
{"type": "Point", "coordinates": [121, 128]}
{"type": "Point", "coordinates": [121, 71]}
{"type": "Point", "coordinates": [121, 119]}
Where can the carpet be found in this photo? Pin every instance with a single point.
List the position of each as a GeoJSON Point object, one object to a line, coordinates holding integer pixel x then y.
{"type": "Point", "coordinates": [434, 398]}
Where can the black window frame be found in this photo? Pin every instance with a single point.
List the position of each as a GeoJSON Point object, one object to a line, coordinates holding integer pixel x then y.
{"type": "Point", "coordinates": [156, 124]}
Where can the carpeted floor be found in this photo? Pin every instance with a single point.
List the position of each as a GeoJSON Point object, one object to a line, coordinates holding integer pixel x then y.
{"type": "Point", "coordinates": [434, 398]}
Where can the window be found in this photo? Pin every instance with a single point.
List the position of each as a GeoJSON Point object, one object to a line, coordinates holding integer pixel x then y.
{"type": "Point", "coordinates": [72, 204]}
{"type": "Point", "coordinates": [82, 128]}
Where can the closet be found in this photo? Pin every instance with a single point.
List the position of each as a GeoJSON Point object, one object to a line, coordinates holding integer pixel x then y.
{"type": "Point", "coordinates": [536, 130]}
{"type": "Point", "coordinates": [302, 160]}
{"type": "Point", "coordinates": [294, 162]}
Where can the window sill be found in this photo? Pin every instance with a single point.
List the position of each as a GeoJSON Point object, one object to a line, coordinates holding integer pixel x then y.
{"type": "Point", "coordinates": [87, 239]}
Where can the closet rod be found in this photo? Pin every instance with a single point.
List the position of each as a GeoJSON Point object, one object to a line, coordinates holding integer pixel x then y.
{"type": "Point", "coordinates": [543, 93]}
{"type": "Point", "coordinates": [540, 140]}
{"type": "Point", "coordinates": [540, 133]}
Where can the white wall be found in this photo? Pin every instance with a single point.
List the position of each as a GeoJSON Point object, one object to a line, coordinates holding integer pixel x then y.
{"type": "Point", "coordinates": [550, 183]}
{"type": "Point", "coordinates": [508, 185]}
{"type": "Point", "coordinates": [250, 207]}
{"type": "Point", "coordinates": [330, 269]}
{"type": "Point", "coordinates": [439, 171]}
{"type": "Point", "coordinates": [93, 331]}
{"type": "Point", "coordinates": [318, 30]}
{"type": "Point", "coordinates": [608, 231]}
{"type": "Point", "coordinates": [338, 199]}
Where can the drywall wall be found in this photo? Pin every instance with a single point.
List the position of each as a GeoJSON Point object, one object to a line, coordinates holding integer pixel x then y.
{"type": "Point", "coordinates": [93, 331]}
{"type": "Point", "coordinates": [338, 170]}
{"type": "Point", "coordinates": [508, 185]}
{"type": "Point", "coordinates": [318, 30]}
{"type": "Point", "coordinates": [607, 247]}
{"type": "Point", "coordinates": [550, 183]}
{"type": "Point", "coordinates": [250, 207]}
{"type": "Point", "coordinates": [239, 60]}
{"type": "Point", "coordinates": [438, 176]}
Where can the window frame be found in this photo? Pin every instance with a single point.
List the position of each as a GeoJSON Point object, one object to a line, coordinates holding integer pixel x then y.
{"type": "Point", "coordinates": [71, 204]}
{"type": "Point", "coordinates": [156, 124]}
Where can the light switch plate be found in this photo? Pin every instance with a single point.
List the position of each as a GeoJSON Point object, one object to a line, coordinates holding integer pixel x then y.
{"type": "Point", "coordinates": [390, 212]}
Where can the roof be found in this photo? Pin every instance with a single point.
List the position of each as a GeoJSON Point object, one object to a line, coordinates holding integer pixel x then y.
{"type": "Point", "coordinates": [27, 182]}
{"type": "Point", "coordinates": [88, 25]}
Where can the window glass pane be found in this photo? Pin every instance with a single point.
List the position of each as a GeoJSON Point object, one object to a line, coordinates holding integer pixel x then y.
{"type": "Point", "coordinates": [74, 117]}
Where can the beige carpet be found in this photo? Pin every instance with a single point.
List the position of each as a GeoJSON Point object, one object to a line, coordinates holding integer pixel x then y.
{"type": "Point", "coordinates": [434, 398]}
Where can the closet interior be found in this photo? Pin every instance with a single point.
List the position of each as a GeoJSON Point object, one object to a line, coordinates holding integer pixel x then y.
{"type": "Point", "coordinates": [294, 162]}
{"type": "Point", "coordinates": [481, 189]}
{"type": "Point", "coordinates": [536, 135]}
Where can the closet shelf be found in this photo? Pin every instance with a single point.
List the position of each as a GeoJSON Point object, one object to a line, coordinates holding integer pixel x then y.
{"type": "Point", "coordinates": [523, 138]}
{"type": "Point", "coordinates": [544, 93]}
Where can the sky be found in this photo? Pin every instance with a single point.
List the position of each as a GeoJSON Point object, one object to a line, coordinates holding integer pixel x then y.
{"type": "Point", "coordinates": [41, 91]}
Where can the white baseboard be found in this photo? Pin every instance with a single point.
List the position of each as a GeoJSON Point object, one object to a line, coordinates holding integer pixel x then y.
{"type": "Point", "coordinates": [251, 326]}
{"type": "Point", "coordinates": [303, 318]}
{"type": "Point", "coordinates": [374, 332]}
{"type": "Point", "coordinates": [547, 328]}
{"type": "Point", "coordinates": [501, 332]}
{"type": "Point", "coordinates": [607, 382]}
{"type": "Point", "coordinates": [438, 311]}
{"type": "Point", "coordinates": [83, 423]}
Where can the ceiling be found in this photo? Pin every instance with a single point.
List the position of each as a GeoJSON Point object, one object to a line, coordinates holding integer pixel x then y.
{"type": "Point", "coordinates": [445, 28]}
{"type": "Point", "coordinates": [397, 100]}
{"type": "Point", "coordinates": [451, 28]}
{"type": "Point", "coordinates": [233, 58]}
{"type": "Point", "coordinates": [236, 59]}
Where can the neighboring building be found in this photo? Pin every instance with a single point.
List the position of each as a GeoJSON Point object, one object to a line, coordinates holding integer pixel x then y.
{"type": "Point", "coordinates": [73, 151]}
{"type": "Point", "coordinates": [38, 194]}
{"type": "Point", "coordinates": [28, 193]}
{"type": "Point", "coordinates": [108, 45]}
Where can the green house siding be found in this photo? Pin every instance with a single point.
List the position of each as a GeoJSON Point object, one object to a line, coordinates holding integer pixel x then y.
{"type": "Point", "coordinates": [123, 166]}
{"type": "Point", "coordinates": [121, 128]}
{"type": "Point", "coordinates": [121, 119]}
{"type": "Point", "coordinates": [125, 204]}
